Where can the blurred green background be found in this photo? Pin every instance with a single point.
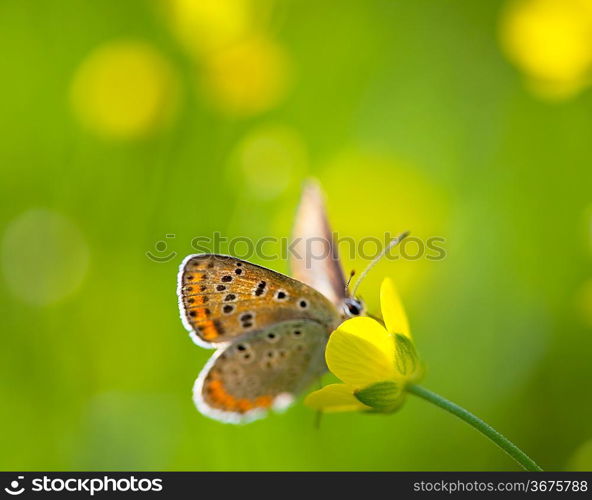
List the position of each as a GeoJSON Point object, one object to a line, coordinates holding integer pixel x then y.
{"type": "Point", "coordinates": [124, 122]}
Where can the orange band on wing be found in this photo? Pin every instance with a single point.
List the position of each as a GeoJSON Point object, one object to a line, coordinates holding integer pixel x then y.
{"type": "Point", "coordinates": [197, 300]}
{"type": "Point", "coordinates": [221, 399]}
{"type": "Point", "coordinates": [208, 328]}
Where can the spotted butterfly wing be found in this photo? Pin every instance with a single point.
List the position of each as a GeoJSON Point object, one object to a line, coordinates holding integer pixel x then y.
{"type": "Point", "coordinates": [262, 370]}
{"type": "Point", "coordinates": [222, 298]}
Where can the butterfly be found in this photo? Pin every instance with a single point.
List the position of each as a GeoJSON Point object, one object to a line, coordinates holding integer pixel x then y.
{"type": "Point", "coordinates": [269, 330]}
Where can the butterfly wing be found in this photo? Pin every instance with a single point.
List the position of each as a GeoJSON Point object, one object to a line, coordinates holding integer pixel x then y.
{"type": "Point", "coordinates": [222, 298]}
{"type": "Point", "coordinates": [263, 370]}
{"type": "Point", "coordinates": [315, 259]}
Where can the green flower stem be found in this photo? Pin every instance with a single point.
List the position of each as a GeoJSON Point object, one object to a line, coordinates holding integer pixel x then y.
{"type": "Point", "coordinates": [503, 442]}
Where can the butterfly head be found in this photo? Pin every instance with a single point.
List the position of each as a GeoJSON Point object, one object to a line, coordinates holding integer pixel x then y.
{"type": "Point", "coordinates": [353, 307]}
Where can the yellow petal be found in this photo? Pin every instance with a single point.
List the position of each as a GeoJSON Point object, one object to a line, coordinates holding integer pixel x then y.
{"type": "Point", "coordinates": [361, 352]}
{"type": "Point", "coordinates": [333, 398]}
{"type": "Point", "coordinates": [393, 312]}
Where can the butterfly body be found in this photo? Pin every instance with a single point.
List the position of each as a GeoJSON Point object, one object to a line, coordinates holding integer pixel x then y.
{"type": "Point", "coordinates": [270, 330]}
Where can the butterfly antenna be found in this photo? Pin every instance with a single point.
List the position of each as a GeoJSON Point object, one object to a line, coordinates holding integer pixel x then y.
{"type": "Point", "coordinates": [392, 243]}
{"type": "Point", "coordinates": [351, 275]}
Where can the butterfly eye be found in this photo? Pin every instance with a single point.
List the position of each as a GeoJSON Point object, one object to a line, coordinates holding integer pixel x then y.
{"type": "Point", "coordinates": [353, 309]}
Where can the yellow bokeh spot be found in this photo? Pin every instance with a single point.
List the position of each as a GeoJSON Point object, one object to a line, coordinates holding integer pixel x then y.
{"type": "Point", "coordinates": [583, 302]}
{"type": "Point", "coordinates": [551, 42]}
{"type": "Point", "coordinates": [124, 90]}
{"type": "Point", "coordinates": [270, 159]}
{"type": "Point", "coordinates": [207, 25]}
{"type": "Point", "coordinates": [247, 78]}
{"type": "Point", "coordinates": [582, 458]}
{"type": "Point", "coordinates": [44, 257]}
{"type": "Point", "coordinates": [371, 199]}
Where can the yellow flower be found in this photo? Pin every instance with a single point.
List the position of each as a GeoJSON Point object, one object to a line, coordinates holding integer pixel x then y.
{"type": "Point", "coordinates": [374, 362]}
{"type": "Point", "coordinates": [378, 366]}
